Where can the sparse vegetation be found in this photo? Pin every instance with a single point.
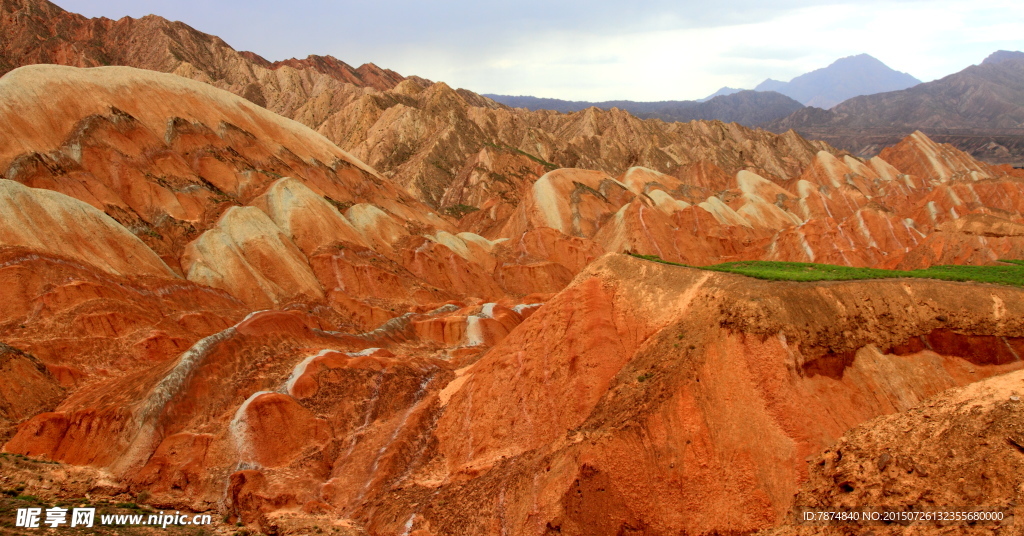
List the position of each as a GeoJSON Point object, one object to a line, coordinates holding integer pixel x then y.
{"type": "Point", "coordinates": [143, 497]}
{"type": "Point", "coordinates": [443, 167]}
{"type": "Point", "coordinates": [460, 210]}
{"type": "Point", "coordinates": [342, 206]}
{"type": "Point", "coordinates": [503, 147]}
{"type": "Point", "coordinates": [266, 172]}
{"type": "Point", "coordinates": [1010, 274]}
{"type": "Point", "coordinates": [15, 491]}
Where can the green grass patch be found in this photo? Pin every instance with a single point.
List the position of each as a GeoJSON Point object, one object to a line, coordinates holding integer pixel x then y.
{"type": "Point", "coordinates": [1011, 273]}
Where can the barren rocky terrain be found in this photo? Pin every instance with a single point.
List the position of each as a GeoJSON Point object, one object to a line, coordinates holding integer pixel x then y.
{"type": "Point", "coordinates": [297, 327]}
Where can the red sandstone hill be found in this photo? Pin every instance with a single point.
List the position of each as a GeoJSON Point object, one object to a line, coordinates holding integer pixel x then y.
{"type": "Point", "coordinates": [37, 31]}
{"type": "Point", "coordinates": [221, 309]}
{"type": "Point", "coordinates": [690, 402]}
{"type": "Point", "coordinates": [411, 364]}
{"type": "Point", "coordinates": [428, 137]}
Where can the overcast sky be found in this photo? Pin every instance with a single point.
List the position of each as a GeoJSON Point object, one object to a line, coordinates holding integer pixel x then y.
{"type": "Point", "coordinates": [602, 49]}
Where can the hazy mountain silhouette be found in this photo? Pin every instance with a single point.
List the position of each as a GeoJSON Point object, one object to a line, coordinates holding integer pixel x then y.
{"type": "Point", "coordinates": [979, 109]}
{"type": "Point", "coordinates": [844, 78]}
{"type": "Point", "coordinates": [742, 106]}
{"type": "Point", "coordinates": [724, 91]}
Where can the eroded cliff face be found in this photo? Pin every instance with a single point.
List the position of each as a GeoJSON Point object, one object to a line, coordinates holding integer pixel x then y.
{"type": "Point", "coordinates": [691, 400]}
{"type": "Point", "coordinates": [686, 401]}
{"type": "Point", "coordinates": [969, 439]}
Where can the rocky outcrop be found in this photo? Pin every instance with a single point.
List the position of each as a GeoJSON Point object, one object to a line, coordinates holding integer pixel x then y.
{"type": "Point", "coordinates": [59, 225]}
{"type": "Point", "coordinates": [248, 256]}
{"type": "Point", "coordinates": [165, 156]}
{"type": "Point", "coordinates": [844, 211]}
{"type": "Point", "coordinates": [30, 389]}
{"type": "Point", "coordinates": [970, 437]}
{"type": "Point", "coordinates": [703, 411]}
{"type": "Point", "coordinates": [917, 155]}
{"type": "Point", "coordinates": [611, 142]}
{"type": "Point", "coordinates": [307, 218]}
{"type": "Point", "coordinates": [179, 163]}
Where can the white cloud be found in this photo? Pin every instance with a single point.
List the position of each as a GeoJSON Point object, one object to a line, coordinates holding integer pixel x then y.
{"type": "Point", "coordinates": [928, 40]}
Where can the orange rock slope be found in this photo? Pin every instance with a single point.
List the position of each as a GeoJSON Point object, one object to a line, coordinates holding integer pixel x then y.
{"type": "Point", "coordinates": [217, 306]}
{"type": "Point", "coordinates": [689, 401]}
{"type": "Point", "coordinates": [970, 437]}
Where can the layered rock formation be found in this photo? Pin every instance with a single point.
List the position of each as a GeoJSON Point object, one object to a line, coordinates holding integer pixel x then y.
{"type": "Point", "coordinates": [200, 180]}
{"type": "Point", "coordinates": [426, 136]}
{"type": "Point", "coordinates": [53, 223]}
{"type": "Point", "coordinates": [843, 211]}
{"type": "Point", "coordinates": [145, 212]}
{"type": "Point", "coordinates": [30, 389]}
{"type": "Point", "coordinates": [217, 307]}
{"type": "Point", "coordinates": [716, 422]}
{"type": "Point", "coordinates": [672, 424]}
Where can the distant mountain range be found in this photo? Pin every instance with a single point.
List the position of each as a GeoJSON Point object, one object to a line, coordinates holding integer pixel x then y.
{"type": "Point", "coordinates": [724, 91]}
{"type": "Point", "coordinates": [741, 106]}
{"type": "Point", "coordinates": [844, 78]}
{"type": "Point", "coordinates": [979, 110]}
{"type": "Point", "coordinates": [769, 101]}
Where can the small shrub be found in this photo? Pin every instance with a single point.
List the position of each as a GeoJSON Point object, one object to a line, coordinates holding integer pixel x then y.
{"type": "Point", "coordinates": [460, 210]}
{"type": "Point", "coordinates": [341, 206]}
